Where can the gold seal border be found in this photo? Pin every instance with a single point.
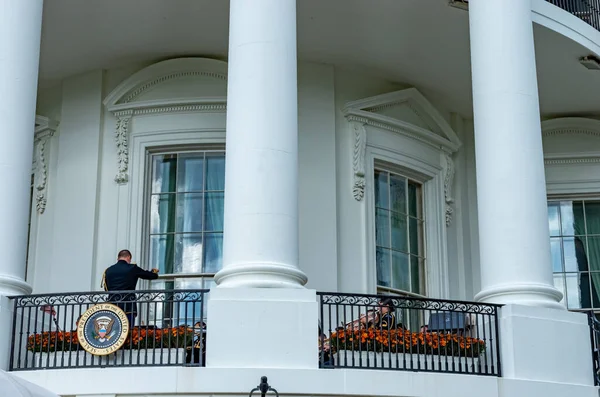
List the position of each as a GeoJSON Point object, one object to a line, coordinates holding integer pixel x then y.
{"type": "Point", "coordinates": [85, 317]}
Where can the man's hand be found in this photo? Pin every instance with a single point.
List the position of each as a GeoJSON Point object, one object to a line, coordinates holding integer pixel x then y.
{"type": "Point", "coordinates": [155, 271]}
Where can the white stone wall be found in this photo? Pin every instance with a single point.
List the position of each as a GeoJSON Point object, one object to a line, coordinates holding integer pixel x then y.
{"type": "Point", "coordinates": [89, 217]}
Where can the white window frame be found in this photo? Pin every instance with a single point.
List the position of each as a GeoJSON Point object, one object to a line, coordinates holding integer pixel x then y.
{"type": "Point", "coordinates": [413, 177]}
{"type": "Point", "coordinates": [145, 244]}
{"type": "Point", "coordinates": [147, 117]}
{"type": "Point", "coordinates": [434, 228]}
{"type": "Point", "coordinates": [423, 154]}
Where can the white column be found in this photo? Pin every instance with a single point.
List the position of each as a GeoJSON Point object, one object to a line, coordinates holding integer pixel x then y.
{"type": "Point", "coordinates": [261, 174]}
{"type": "Point", "coordinates": [20, 32]}
{"type": "Point", "coordinates": [511, 190]}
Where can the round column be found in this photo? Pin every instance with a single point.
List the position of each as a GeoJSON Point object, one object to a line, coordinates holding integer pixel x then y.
{"type": "Point", "coordinates": [20, 33]}
{"type": "Point", "coordinates": [260, 246]}
{"type": "Point", "coordinates": [511, 191]}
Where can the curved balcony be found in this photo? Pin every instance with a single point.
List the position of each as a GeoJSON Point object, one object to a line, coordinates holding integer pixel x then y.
{"type": "Point", "coordinates": [586, 10]}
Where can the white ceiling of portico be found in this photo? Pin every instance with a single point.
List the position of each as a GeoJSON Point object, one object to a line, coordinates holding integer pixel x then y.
{"type": "Point", "coordinates": [423, 43]}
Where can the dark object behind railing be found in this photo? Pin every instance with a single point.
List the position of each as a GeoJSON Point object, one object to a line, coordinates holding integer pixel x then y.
{"type": "Point", "coordinates": [595, 339]}
{"type": "Point", "coordinates": [422, 335]}
{"type": "Point", "coordinates": [168, 330]}
{"type": "Point", "coordinates": [586, 10]}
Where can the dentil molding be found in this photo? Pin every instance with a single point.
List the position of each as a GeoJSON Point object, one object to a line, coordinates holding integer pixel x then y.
{"type": "Point", "coordinates": [572, 126]}
{"type": "Point", "coordinates": [44, 130]}
{"type": "Point", "coordinates": [124, 101]}
{"type": "Point", "coordinates": [428, 127]}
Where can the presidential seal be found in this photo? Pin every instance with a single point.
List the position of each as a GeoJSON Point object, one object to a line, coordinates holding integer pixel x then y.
{"type": "Point", "coordinates": [102, 329]}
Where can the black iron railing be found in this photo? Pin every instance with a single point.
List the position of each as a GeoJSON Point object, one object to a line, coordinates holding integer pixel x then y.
{"type": "Point", "coordinates": [166, 327]}
{"type": "Point", "coordinates": [595, 339]}
{"type": "Point", "coordinates": [586, 10]}
{"type": "Point", "coordinates": [413, 334]}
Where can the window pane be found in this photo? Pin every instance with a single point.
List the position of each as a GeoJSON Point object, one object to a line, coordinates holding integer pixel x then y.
{"type": "Point", "coordinates": [381, 190]}
{"type": "Point", "coordinates": [162, 252]}
{"type": "Point", "coordinates": [414, 200]}
{"type": "Point", "coordinates": [189, 311]}
{"type": "Point", "coordinates": [571, 216]}
{"type": "Point", "coordinates": [573, 294]}
{"type": "Point", "coordinates": [400, 275]}
{"type": "Point", "coordinates": [399, 232]}
{"type": "Point", "coordinates": [593, 253]}
{"type": "Point", "coordinates": [213, 252]}
{"type": "Point", "coordinates": [416, 271]}
{"type": "Point", "coordinates": [189, 212]}
{"type": "Point", "coordinates": [398, 193]}
{"type": "Point", "coordinates": [592, 215]}
{"type": "Point", "coordinates": [164, 173]}
{"type": "Point", "coordinates": [382, 259]}
{"type": "Point", "coordinates": [190, 172]}
{"type": "Point", "coordinates": [556, 249]}
{"type": "Point", "coordinates": [382, 228]}
{"type": "Point", "coordinates": [214, 211]}
{"type": "Point", "coordinates": [559, 283]}
{"type": "Point", "coordinates": [553, 219]}
{"type": "Point", "coordinates": [215, 171]}
{"type": "Point", "coordinates": [414, 236]}
{"type": "Point", "coordinates": [188, 253]}
{"type": "Point", "coordinates": [162, 213]}
{"type": "Point", "coordinates": [574, 252]}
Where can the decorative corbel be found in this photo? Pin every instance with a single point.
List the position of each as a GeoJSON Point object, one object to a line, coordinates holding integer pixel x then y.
{"type": "Point", "coordinates": [448, 182]}
{"type": "Point", "coordinates": [122, 141]}
{"type": "Point", "coordinates": [358, 160]}
{"type": "Point", "coordinates": [44, 130]}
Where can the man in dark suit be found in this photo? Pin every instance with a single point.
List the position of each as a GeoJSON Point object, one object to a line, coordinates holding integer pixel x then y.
{"type": "Point", "coordinates": [123, 276]}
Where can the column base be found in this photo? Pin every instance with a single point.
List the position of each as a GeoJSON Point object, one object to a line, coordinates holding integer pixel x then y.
{"type": "Point", "coordinates": [260, 275]}
{"type": "Point", "coordinates": [541, 295]}
{"type": "Point", "coordinates": [262, 328]}
{"type": "Point", "coordinates": [546, 345]}
{"type": "Point", "coordinates": [10, 285]}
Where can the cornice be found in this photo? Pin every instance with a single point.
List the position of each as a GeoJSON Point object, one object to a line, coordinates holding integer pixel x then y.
{"type": "Point", "coordinates": [172, 76]}
{"type": "Point", "coordinates": [363, 113]}
{"type": "Point", "coordinates": [572, 160]}
{"type": "Point", "coordinates": [123, 104]}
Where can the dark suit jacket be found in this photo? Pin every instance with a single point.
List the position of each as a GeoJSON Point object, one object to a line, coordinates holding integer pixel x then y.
{"type": "Point", "coordinates": [123, 276]}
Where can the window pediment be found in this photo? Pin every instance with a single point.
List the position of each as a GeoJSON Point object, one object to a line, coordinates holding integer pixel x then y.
{"type": "Point", "coordinates": [571, 140]}
{"type": "Point", "coordinates": [182, 81]}
{"type": "Point", "coordinates": [181, 85]}
{"type": "Point", "coordinates": [407, 112]}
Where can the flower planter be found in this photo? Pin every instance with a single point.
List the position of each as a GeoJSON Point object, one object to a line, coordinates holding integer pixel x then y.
{"type": "Point", "coordinates": [411, 362]}
{"type": "Point", "coordinates": [120, 358]}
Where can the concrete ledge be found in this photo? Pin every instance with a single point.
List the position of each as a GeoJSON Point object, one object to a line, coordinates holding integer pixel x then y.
{"type": "Point", "coordinates": [168, 381]}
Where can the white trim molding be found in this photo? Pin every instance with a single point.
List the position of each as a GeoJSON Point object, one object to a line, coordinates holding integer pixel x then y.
{"type": "Point", "coordinates": [426, 126]}
{"type": "Point", "coordinates": [570, 167]}
{"type": "Point", "coordinates": [404, 131]}
{"type": "Point", "coordinates": [126, 101]}
{"type": "Point", "coordinates": [44, 130]}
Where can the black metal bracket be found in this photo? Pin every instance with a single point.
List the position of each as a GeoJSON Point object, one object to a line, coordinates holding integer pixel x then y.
{"type": "Point", "coordinates": [263, 387]}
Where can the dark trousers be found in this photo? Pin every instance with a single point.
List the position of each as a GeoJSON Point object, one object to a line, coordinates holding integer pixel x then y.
{"type": "Point", "coordinates": [192, 356]}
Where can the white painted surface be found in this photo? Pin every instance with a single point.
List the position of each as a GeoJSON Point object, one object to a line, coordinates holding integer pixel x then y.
{"type": "Point", "coordinates": [260, 235]}
{"type": "Point", "coordinates": [262, 328]}
{"type": "Point", "coordinates": [568, 25]}
{"type": "Point", "coordinates": [534, 346]}
{"type": "Point", "coordinates": [513, 217]}
{"type": "Point", "coordinates": [232, 382]}
{"type": "Point", "coordinates": [20, 30]}
{"type": "Point", "coordinates": [75, 190]}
